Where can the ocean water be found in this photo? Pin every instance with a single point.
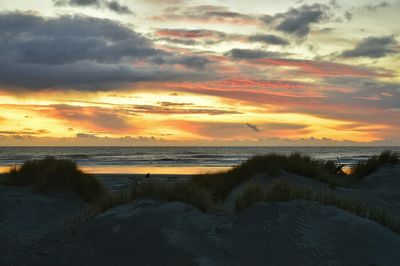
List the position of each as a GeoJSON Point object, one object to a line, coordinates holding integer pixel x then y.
{"type": "Point", "coordinates": [170, 159]}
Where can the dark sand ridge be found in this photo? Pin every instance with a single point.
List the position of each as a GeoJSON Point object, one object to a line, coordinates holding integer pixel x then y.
{"type": "Point", "coordinates": [149, 233]}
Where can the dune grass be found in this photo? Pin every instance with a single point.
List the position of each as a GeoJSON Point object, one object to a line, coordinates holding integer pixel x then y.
{"type": "Point", "coordinates": [285, 192]}
{"type": "Point", "coordinates": [53, 175]}
{"type": "Point", "coordinates": [182, 192]}
{"type": "Point", "coordinates": [220, 184]}
{"type": "Point", "coordinates": [375, 162]}
{"type": "Point", "coordinates": [206, 191]}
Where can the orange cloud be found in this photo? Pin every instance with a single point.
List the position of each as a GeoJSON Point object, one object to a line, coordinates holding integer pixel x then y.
{"type": "Point", "coordinates": [94, 119]}
{"type": "Point", "coordinates": [229, 131]}
{"type": "Point", "coordinates": [325, 69]}
{"type": "Point", "coordinates": [266, 92]}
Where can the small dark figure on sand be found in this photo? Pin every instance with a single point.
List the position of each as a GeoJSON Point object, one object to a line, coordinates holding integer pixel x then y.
{"type": "Point", "coordinates": [148, 175]}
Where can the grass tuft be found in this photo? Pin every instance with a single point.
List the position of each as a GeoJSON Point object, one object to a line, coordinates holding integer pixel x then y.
{"type": "Point", "coordinates": [251, 193]}
{"type": "Point", "coordinates": [53, 175]}
{"type": "Point", "coordinates": [375, 162]}
{"type": "Point", "coordinates": [220, 184]}
{"type": "Point", "coordinates": [183, 192]}
{"type": "Point", "coordinates": [285, 192]}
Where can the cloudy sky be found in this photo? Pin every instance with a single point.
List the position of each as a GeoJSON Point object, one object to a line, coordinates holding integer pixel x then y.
{"type": "Point", "coordinates": [199, 72]}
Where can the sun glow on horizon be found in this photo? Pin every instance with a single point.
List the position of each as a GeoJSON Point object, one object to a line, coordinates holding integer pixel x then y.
{"type": "Point", "coordinates": [192, 73]}
{"type": "Point", "coordinates": [166, 115]}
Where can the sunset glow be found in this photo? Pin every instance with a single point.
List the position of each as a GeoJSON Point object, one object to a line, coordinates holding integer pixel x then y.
{"type": "Point", "coordinates": [200, 73]}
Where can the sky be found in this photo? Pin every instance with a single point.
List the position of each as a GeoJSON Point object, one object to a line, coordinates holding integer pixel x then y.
{"type": "Point", "coordinates": [199, 72]}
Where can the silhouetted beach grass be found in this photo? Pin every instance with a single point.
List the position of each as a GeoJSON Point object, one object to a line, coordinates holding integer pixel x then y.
{"type": "Point", "coordinates": [206, 191]}
{"type": "Point", "coordinates": [285, 192]}
{"type": "Point", "coordinates": [182, 192]}
{"type": "Point", "coordinates": [220, 184]}
{"type": "Point", "coordinates": [375, 162]}
{"type": "Point", "coordinates": [54, 175]}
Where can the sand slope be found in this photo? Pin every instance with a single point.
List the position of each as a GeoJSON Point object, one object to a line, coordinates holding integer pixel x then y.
{"type": "Point", "coordinates": [384, 180]}
{"type": "Point", "coordinates": [381, 189]}
{"type": "Point", "coordinates": [153, 233]}
{"type": "Point", "coordinates": [145, 232]}
{"type": "Point", "coordinates": [27, 216]}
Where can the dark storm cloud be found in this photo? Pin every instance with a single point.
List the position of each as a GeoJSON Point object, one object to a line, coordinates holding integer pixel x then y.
{"type": "Point", "coordinates": [298, 21]}
{"type": "Point", "coordinates": [81, 52]}
{"type": "Point", "coordinates": [196, 62]}
{"type": "Point", "coordinates": [251, 54]}
{"type": "Point", "coordinates": [111, 5]}
{"type": "Point", "coordinates": [72, 38]}
{"type": "Point", "coordinates": [268, 39]}
{"type": "Point", "coordinates": [373, 47]}
{"type": "Point", "coordinates": [81, 75]}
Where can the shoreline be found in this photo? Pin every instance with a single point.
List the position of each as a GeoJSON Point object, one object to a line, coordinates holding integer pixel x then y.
{"type": "Point", "coordinates": [143, 170]}
{"type": "Point", "coordinates": [157, 170]}
{"type": "Point", "coordinates": [134, 176]}
{"type": "Point", "coordinates": [170, 221]}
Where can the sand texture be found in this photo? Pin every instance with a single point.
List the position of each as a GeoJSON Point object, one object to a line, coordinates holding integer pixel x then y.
{"type": "Point", "coordinates": [146, 232]}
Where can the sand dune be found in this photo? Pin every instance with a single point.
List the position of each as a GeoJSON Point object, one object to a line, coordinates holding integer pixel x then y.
{"type": "Point", "coordinates": [154, 233]}
{"type": "Point", "coordinates": [147, 232]}
{"type": "Point", "coordinates": [381, 189]}
{"type": "Point", "coordinates": [386, 180]}
{"type": "Point", "coordinates": [27, 216]}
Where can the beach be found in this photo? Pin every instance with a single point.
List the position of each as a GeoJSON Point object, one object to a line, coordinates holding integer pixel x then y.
{"type": "Point", "coordinates": [207, 132]}
{"type": "Point", "coordinates": [174, 160]}
{"type": "Point", "coordinates": [39, 229]}
{"type": "Point", "coordinates": [118, 182]}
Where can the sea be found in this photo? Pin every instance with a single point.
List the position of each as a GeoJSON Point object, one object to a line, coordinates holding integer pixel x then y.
{"type": "Point", "coordinates": [174, 160]}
